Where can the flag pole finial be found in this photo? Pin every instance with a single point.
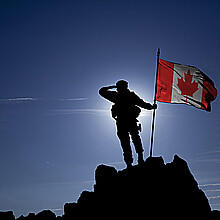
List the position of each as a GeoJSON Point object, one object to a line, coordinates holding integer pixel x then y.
{"type": "Point", "coordinates": [158, 52]}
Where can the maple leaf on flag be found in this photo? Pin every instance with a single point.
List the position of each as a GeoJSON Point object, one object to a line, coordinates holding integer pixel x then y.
{"type": "Point", "coordinates": [187, 87]}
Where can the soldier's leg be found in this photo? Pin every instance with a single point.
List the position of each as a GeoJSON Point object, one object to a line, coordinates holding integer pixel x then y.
{"type": "Point", "coordinates": [124, 138]}
{"type": "Point", "coordinates": [136, 139]}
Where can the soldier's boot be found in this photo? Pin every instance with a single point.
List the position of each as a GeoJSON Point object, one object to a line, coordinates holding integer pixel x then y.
{"type": "Point", "coordinates": [128, 159]}
{"type": "Point", "coordinates": [129, 165]}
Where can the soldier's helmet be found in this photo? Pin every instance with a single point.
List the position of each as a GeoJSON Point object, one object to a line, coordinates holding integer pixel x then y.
{"type": "Point", "coordinates": [122, 84]}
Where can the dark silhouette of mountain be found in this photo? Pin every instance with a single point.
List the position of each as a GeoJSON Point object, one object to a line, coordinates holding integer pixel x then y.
{"type": "Point", "coordinates": [152, 189]}
{"type": "Point", "coordinates": [7, 215]}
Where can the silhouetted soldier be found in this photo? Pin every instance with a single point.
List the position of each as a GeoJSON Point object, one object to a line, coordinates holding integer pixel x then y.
{"type": "Point", "coordinates": [125, 111]}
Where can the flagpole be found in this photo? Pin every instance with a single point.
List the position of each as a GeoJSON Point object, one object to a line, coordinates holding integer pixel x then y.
{"type": "Point", "coordinates": [154, 111]}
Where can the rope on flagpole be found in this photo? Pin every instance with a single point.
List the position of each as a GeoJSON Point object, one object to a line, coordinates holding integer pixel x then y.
{"type": "Point", "coordinates": [154, 111]}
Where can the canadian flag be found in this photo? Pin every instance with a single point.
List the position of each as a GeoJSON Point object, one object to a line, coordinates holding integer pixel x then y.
{"type": "Point", "coordinates": [177, 83]}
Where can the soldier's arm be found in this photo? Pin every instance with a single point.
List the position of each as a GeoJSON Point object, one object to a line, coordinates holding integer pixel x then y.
{"type": "Point", "coordinates": [141, 103]}
{"type": "Point", "coordinates": [105, 93]}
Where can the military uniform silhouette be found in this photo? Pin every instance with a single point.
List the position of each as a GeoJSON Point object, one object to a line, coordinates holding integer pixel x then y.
{"type": "Point", "coordinates": [125, 111]}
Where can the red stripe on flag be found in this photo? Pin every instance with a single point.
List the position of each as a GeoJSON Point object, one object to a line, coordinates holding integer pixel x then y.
{"type": "Point", "coordinates": [164, 81]}
{"type": "Point", "coordinates": [209, 93]}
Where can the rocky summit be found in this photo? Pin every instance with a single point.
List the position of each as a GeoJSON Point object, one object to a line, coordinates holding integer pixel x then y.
{"type": "Point", "coordinates": [153, 189]}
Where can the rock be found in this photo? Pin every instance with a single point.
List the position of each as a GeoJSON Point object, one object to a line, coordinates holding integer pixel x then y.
{"type": "Point", "coordinates": [215, 215]}
{"type": "Point", "coordinates": [153, 189]}
{"type": "Point", "coordinates": [70, 211]}
{"type": "Point", "coordinates": [21, 218]}
{"type": "Point", "coordinates": [7, 215]}
{"type": "Point", "coordinates": [45, 214]}
{"type": "Point", "coordinates": [31, 216]}
{"type": "Point", "coordinates": [159, 190]}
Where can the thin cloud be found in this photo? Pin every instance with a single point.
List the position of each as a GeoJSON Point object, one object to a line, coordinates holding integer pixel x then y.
{"type": "Point", "coordinates": [73, 99]}
{"type": "Point", "coordinates": [214, 197]}
{"type": "Point", "coordinates": [57, 209]}
{"type": "Point", "coordinates": [32, 99]}
{"type": "Point", "coordinates": [55, 112]}
{"type": "Point", "coordinates": [22, 99]}
{"type": "Point", "coordinates": [206, 160]}
{"type": "Point", "coordinates": [210, 184]}
{"type": "Point", "coordinates": [209, 152]}
{"type": "Point", "coordinates": [68, 183]}
{"type": "Point", "coordinates": [77, 111]}
{"type": "Point", "coordinates": [207, 157]}
{"type": "Point", "coordinates": [213, 190]}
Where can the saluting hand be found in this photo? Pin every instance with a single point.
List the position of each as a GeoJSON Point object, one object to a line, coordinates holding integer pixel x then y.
{"type": "Point", "coordinates": [112, 87]}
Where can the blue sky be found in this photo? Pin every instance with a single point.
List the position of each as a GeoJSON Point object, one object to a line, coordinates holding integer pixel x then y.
{"type": "Point", "coordinates": [54, 127]}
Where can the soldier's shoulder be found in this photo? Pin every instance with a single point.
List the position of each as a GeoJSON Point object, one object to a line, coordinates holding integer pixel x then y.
{"type": "Point", "coordinates": [132, 93]}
